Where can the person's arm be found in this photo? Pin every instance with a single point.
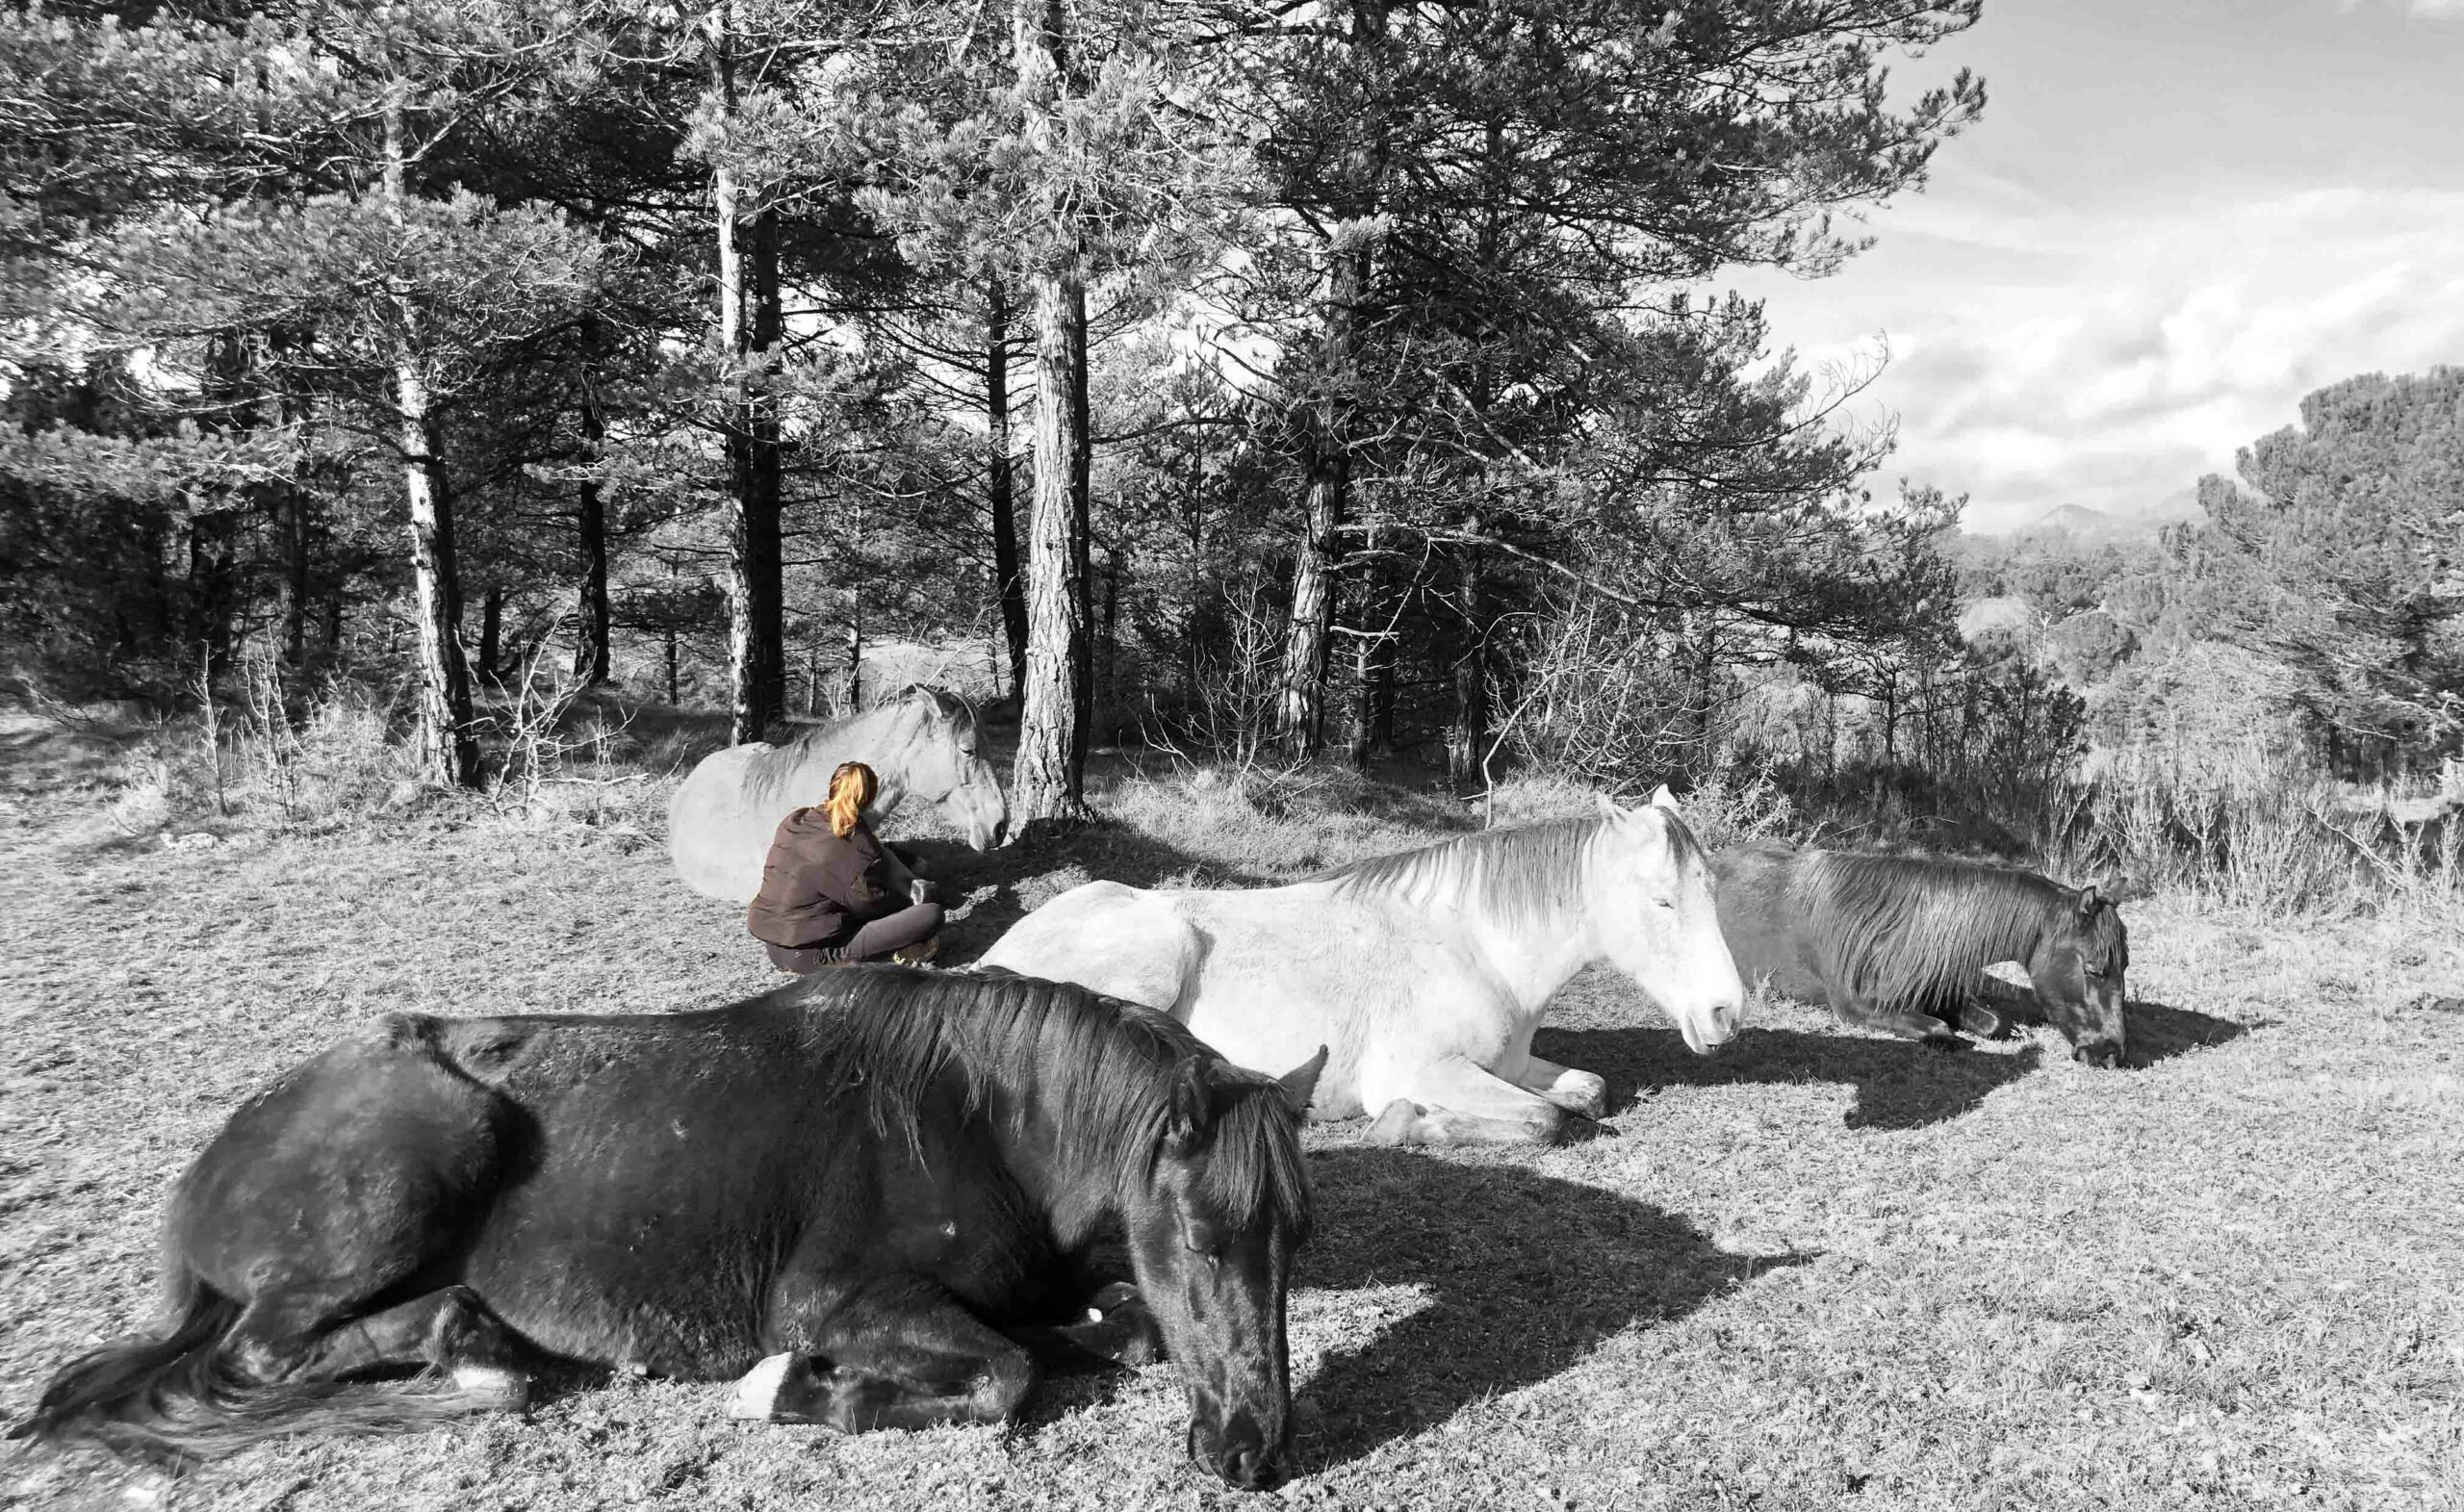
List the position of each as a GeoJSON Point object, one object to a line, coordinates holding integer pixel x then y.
{"type": "Point", "coordinates": [903, 879]}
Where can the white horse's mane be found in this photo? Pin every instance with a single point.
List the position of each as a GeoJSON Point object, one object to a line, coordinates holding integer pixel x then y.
{"type": "Point", "coordinates": [1525, 876]}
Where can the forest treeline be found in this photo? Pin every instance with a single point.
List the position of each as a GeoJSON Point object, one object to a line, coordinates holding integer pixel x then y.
{"type": "Point", "coordinates": [1331, 380]}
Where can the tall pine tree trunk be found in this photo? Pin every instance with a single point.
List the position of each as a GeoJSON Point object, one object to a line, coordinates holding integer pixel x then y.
{"type": "Point", "coordinates": [1467, 736]}
{"type": "Point", "coordinates": [748, 275]}
{"type": "Point", "coordinates": [447, 749]}
{"type": "Point", "coordinates": [1051, 774]}
{"type": "Point", "coordinates": [1300, 701]}
{"type": "Point", "coordinates": [491, 634]}
{"type": "Point", "coordinates": [1372, 690]}
{"type": "Point", "coordinates": [1001, 482]}
{"type": "Point", "coordinates": [591, 616]}
{"type": "Point", "coordinates": [1306, 637]}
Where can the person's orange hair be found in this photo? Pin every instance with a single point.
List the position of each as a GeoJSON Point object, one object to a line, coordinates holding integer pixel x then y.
{"type": "Point", "coordinates": [852, 788]}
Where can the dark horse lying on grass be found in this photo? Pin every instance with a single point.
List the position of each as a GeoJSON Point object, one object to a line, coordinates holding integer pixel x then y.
{"type": "Point", "coordinates": [873, 1184]}
{"type": "Point", "coordinates": [1901, 943]}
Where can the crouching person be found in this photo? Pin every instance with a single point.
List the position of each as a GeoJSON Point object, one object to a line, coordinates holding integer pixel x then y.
{"type": "Point", "coordinates": [833, 892]}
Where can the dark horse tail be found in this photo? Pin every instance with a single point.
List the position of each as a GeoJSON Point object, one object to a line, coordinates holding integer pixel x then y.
{"type": "Point", "coordinates": [176, 1396]}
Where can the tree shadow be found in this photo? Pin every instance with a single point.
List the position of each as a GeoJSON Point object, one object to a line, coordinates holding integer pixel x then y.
{"type": "Point", "coordinates": [1525, 1275]}
{"type": "Point", "coordinates": [987, 891]}
{"type": "Point", "coordinates": [1900, 1084]}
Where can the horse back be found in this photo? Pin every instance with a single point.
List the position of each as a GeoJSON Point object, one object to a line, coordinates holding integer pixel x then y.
{"type": "Point", "coordinates": [1123, 941]}
{"type": "Point", "coordinates": [1763, 917]}
{"type": "Point", "coordinates": [675, 1165]}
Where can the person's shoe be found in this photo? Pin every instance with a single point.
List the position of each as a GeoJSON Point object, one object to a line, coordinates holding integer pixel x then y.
{"type": "Point", "coordinates": [921, 952]}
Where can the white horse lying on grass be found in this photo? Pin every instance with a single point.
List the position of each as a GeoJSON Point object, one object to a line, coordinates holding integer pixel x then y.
{"type": "Point", "coordinates": [921, 743]}
{"type": "Point", "coordinates": [1423, 974]}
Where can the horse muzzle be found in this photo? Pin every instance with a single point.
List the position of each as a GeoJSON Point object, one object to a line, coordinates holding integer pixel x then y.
{"type": "Point", "coordinates": [2105, 1054]}
{"type": "Point", "coordinates": [1237, 1451]}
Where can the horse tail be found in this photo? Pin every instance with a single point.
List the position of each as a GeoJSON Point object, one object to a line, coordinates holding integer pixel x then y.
{"type": "Point", "coordinates": [175, 1396]}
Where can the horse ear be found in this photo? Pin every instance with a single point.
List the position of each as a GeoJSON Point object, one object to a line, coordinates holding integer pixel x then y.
{"type": "Point", "coordinates": [2121, 888]}
{"type": "Point", "coordinates": [1300, 1082]}
{"type": "Point", "coordinates": [1608, 809]}
{"type": "Point", "coordinates": [1662, 798]}
{"type": "Point", "coordinates": [2087, 901]}
{"type": "Point", "coordinates": [1189, 1115]}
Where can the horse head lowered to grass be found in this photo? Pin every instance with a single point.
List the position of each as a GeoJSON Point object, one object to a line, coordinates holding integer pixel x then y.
{"type": "Point", "coordinates": [1901, 943]}
{"type": "Point", "coordinates": [867, 1194]}
{"type": "Point", "coordinates": [1426, 972]}
{"type": "Point", "coordinates": [921, 744]}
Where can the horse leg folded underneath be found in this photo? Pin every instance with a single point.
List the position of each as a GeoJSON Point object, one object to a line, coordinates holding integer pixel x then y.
{"type": "Point", "coordinates": [898, 1353]}
{"type": "Point", "coordinates": [448, 1330]}
{"type": "Point", "coordinates": [1576, 1092]}
{"type": "Point", "coordinates": [1117, 1329]}
{"type": "Point", "coordinates": [1454, 1102]}
{"type": "Point", "coordinates": [1905, 1022]}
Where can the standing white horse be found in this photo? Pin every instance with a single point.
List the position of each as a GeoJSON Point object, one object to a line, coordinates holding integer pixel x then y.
{"type": "Point", "coordinates": [921, 744]}
{"type": "Point", "coordinates": [1425, 973]}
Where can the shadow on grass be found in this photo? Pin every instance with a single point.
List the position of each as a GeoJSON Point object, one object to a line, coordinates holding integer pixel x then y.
{"type": "Point", "coordinates": [1900, 1084]}
{"type": "Point", "coordinates": [1000, 886]}
{"type": "Point", "coordinates": [2159, 1031]}
{"type": "Point", "coordinates": [1525, 1275]}
{"type": "Point", "coordinates": [2154, 1031]}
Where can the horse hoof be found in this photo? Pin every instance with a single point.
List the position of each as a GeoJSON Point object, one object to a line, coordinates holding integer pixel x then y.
{"type": "Point", "coordinates": [1581, 1093]}
{"type": "Point", "coordinates": [492, 1388]}
{"type": "Point", "coordinates": [1394, 1126]}
{"type": "Point", "coordinates": [780, 1388]}
{"type": "Point", "coordinates": [1982, 1023]}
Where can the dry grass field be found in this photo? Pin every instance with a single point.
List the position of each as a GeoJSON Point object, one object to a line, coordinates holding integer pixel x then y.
{"type": "Point", "coordinates": [1821, 1269]}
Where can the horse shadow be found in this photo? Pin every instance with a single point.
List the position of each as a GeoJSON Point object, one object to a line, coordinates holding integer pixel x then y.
{"type": "Point", "coordinates": [987, 891]}
{"type": "Point", "coordinates": [2154, 1031]}
{"type": "Point", "coordinates": [2159, 1030]}
{"type": "Point", "coordinates": [1548, 1270]}
{"type": "Point", "coordinates": [1900, 1084]}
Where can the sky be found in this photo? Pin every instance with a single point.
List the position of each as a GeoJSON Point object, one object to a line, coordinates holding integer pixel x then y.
{"type": "Point", "coordinates": [2175, 218]}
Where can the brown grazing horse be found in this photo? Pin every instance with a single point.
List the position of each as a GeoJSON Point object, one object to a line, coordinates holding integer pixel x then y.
{"type": "Point", "coordinates": [858, 1194]}
{"type": "Point", "coordinates": [1901, 943]}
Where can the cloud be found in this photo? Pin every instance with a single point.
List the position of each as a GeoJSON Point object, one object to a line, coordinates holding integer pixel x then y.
{"type": "Point", "coordinates": [2044, 356]}
{"type": "Point", "coordinates": [2428, 8]}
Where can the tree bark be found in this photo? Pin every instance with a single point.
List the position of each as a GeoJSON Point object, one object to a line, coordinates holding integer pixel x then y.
{"type": "Point", "coordinates": [446, 750]}
{"type": "Point", "coordinates": [1308, 635]}
{"type": "Point", "coordinates": [1373, 692]}
{"type": "Point", "coordinates": [592, 614]}
{"type": "Point", "coordinates": [491, 634]}
{"type": "Point", "coordinates": [1050, 779]}
{"type": "Point", "coordinates": [756, 656]}
{"type": "Point", "coordinates": [1001, 482]}
{"type": "Point", "coordinates": [1466, 736]}
{"type": "Point", "coordinates": [1051, 774]}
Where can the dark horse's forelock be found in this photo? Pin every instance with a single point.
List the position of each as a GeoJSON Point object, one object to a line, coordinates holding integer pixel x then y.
{"type": "Point", "coordinates": [1101, 1069]}
{"type": "Point", "coordinates": [1919, 928]}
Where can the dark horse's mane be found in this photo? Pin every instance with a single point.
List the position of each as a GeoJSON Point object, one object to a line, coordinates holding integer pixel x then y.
{"type": "Point", "coordinates": [1520, 874]}
{"type": "Point", "coordinates": [1918, 929]}
{"type": "Point", "coordinates": [1107, 1064]}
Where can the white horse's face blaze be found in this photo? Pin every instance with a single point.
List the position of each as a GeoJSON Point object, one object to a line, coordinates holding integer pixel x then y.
{"type": "Point", "coordinates": [1654, 906]}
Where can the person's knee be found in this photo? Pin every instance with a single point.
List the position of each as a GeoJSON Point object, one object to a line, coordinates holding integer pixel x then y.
{"type": "Point", "coordinates": [929, 915]}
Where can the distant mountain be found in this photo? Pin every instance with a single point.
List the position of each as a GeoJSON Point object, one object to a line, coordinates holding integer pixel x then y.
{"type": "Point", "coordinates": [2096, 524]}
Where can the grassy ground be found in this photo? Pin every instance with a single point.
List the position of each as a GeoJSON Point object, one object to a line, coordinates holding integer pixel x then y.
{"type": "Point", "coordinates": [1820, 1270]}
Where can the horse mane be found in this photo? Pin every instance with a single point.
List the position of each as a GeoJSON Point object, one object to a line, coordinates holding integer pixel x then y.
{"type": "Point", "coordinates": [1918, 929]}
{"type": "Point", "coordinates": [1104, 1068]}
{"type": "Point", "coordinates": [1524, 876]}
